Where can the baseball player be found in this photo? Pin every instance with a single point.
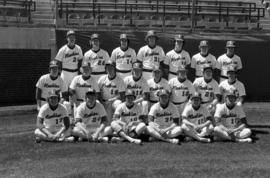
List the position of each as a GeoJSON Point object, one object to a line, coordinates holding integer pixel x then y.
{"type": "Point", "coordinates": [228, 59]}
{"type": "Point", "coordinates": [97, 57]}
{"type": "Point", "coordinates": [202, 58]}
{"type": "Point", "coordinates": [70, 58]}
{"type": "Point", "coordinates": [124, 56]}
{"type": "Point", "coordinates": [231, 121]}
{"type": "Point", "coordinates": [233, 84]}
{"type": "Point", "coordinates": [151, 54]}
{"type": "Point", "coordinates": [48, 82]}
{"type": "Point", "coordinates": [208, 88]}
{"type": "Point", "coordinates": [81, 83]}
{"type": "Point", "coordinates": [52, 120]}
{"type": "Point", "coordinates": [137, 84]}
{"type": "Point", "coordinates": [197, 122]}
{"type": "Point", "coordinates": [177, 56]}
{"type": "Point", "coordinates": [91, 119]}
{"type": "Point", "coordinates": [112, 89]}
{"type": "Point", "coordinates": [128, 119]}
{"type": "Point", "coordinates": [163, 120]}
{"type": "Point", "coordinates": [155, 84]}
{"type": "Point", "coordinates": [181, 89]}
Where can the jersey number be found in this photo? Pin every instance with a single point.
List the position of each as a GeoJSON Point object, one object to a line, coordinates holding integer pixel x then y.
{"type": "Point", "coordinates": [101, 63]}
{"type": "Point", "coordinates": [58, 121]}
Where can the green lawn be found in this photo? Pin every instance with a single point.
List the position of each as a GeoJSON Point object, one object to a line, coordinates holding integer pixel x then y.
{"type": "Point", "coordinates": [21, 157]}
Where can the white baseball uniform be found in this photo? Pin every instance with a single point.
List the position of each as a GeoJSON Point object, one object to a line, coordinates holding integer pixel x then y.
{"type": "Point", "coordinates": [123, 60]}
{"type": "Point", "coordinates": [155, 87]}
{"type": "Point", "coordinates": [237, 88]}
{"type": "Point", "coordinates": [97, 60]}
{"type": "Point", "coordinates": [196, 117]}
{"type": "Point", "coordinates": [69, 58]}
{"type": "Point", "coordinates": [223, 62]}
{"type": "Point", "coordinates": [198, 62]}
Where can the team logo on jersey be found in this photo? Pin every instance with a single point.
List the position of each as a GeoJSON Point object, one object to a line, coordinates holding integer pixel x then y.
{"type": "Point", "coordinates": [203, 62]}
{"type": "Point", "coordinates": [156, 88]}
{"type": "Point", "coordinates": [195, 116]}
{"type": "Point", "coordinates": [110, 85]}
{"type": "Point", "coordinates": [183, 59]}
{"type": "Point", "coordinates": [129, 114]}
{"type": "Point", "coordinates": [123, 56]}
{"type": "Point", "coordinates": [47, 85]}
{"type": "Point", "coordinates": [180, 87]}
{"type": "Point", "coordinates": [129, 86]}
{"type": "Point", "coordinates": [151, 54]}
{"type": "Point", "coordinates": [85, 85]}
{"type": "Point", "coordinates": [71, 54]}
{"type": "Point", "coordinates": [225, 63]}
{"type": "Point", "coordinates": [90, 114]}
{"type": "Point", "coordinates": [164, 114]}
{"type": "Point", "coordinates": [205, 88]}
{"type": "Point", "coordinates": [52, 116]}
{"type": "Point", "coordinates": [228, 115]}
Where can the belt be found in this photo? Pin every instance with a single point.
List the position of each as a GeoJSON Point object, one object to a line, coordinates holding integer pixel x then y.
{"type": "Point", "coordinates": [147, 70]}
{"type": "Point", "coordinates": [123, 71]}
{"type": "Point", "coordinates": [80, 100]}
{"type": "Point", "coordinates": [174, 73]}
{"type": "Point", "coordinates": [42, 99]}
{"type": "Point", "coordinates": [179, 103]}
{"type": "Point", "coordinates": [70, 70]}
{"type": "Point", "coordinates": [153, 101]}
{"type": "Point", "coordinates": [205, 102]}
{"type": "Point", "coordinates": [198, 76]}
{"type": "Point", "coordinates": [225, 77]}
{"type": "Point", "coordinates": [98, 73]}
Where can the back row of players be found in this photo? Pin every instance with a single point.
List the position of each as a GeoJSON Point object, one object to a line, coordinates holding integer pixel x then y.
{"type": "Point", "coordinates": [160, 102]}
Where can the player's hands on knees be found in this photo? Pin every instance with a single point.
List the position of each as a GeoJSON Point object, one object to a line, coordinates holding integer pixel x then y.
{"type": "Point", "coordinates": [95, 137]}
{"type": "Point", "coordinates": [230, 131]}
{"type": "Point", "coordinates": [162, 131]}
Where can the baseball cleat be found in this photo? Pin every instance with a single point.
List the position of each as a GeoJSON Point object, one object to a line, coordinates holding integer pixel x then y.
{"type": "Point", "coordinates": [174, 141]}
{"type": "Point", "coordinates": [137, 141]}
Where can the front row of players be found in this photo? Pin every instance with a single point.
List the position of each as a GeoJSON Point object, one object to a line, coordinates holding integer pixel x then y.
{"type": "Point", "coordinates": [130, 123]}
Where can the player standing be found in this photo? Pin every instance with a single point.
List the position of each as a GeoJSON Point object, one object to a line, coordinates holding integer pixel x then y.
{"type": "Point", "coordinates": [91, 119]}
{"type": "Point", "coordinates": [197, 122]}
{"type": "Point", "coordinates": [228, 59]}
{"type": "Point", "coordinates": [177, 56]}
{"type": "Point", "coordinates": [48, 82]}
{"type": "Point", "coordinates": [202, 58]}
{"type": "Point", "coordinates": [112, 89]}
{"type": "Point", "coordinates": [181, 89]}
{"type": "Point", "coordinates": [124, 56]}
{"type": "Point", "coordinates": [151, 54]}
{"type": "Point", "coordinates": [163, 120]}
{"type": "Point", "coordinates": [70, 58]}
{"type": "Point", "coordinates": [129, 119]}
{"type": "Point", "coordinates": [97, 57]}
{"type": "Point", "coordinates": [231, 121]}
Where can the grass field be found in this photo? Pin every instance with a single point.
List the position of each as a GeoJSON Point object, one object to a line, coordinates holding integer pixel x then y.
{"type": "Point", "coordinates": [21, 157]}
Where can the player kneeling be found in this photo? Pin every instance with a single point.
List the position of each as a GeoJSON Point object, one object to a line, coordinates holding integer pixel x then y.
{"type": "Point", "coordinates": [53, 121]}
{"type": "Point", "coordinates": [163, 119]}
{"type": "Point", "coordinates": [231, 121]}
{"type": "Point", "coordinates": [128, 119]}
{"type": "Point", "coordinates": [197, 120]}
{"type": "Point", "coordinates": [91, 119]}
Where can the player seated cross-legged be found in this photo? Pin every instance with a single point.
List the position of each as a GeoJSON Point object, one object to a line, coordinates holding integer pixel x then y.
{"type": "Point", "coordinates": [112, 89]}
{"type": "Point", "coordinates": [230, 121]}
{"type": "Point", "coordinates": [129, 119]}
{"type": "Point", "coordinates": [91, 119]}
{"type": "Point", "coordinates": [163, 120]}
{"type": "Point", "coordinates": [197, 122]}
{"type": "Point", "coordinates": [53, 121]}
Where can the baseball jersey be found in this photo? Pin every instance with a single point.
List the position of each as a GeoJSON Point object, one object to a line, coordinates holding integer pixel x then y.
{"type": "Point", "coordinates": [69, 57]}
{"type": "Point", "coordinates": [207, 90]}
{"type": "Point", "coordinates": [164, 117]}
{"type": "Point", "coordinates": [198, 61]}
{"type": "Point", "coordinates": [110, 88]}
{"type": "Point", "coordinates": [128, 115]}
{"type": "Point", "coordinates": [174, 60]}
{"type": "Point", "coordinates": [53, 119]}
{"type": "Point", "coordinates": [180, 91]}
{"type": "Point", "coordinates": [237, 87]}
{"type": "Point", "coordinates": [81, 86]}
{"type": "Point", "coordinates": [223, 62]}
{"type": "Point", "coordinates": [229, 117]}
{"type": "Point", "coordinates": [194, 116]}
{"type": "Point", "coordinates": [91, 117]}
{"type": "Point", "coordinates": [155, 87]}
{"type": "Point", "coordinates": [123, 59]}
{"type": "Point", "coordinates": [137, 87]}
{"type": "Point", "coordinates": [150, 57]}
{"type": "Point", "coordinates": [97, 60]}
{"type": "Point", "coordinates": [46, 84]}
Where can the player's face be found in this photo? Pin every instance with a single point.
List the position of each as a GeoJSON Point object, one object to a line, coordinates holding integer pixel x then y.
{"type": "Point", "coordinates": [151, 41]}
{"type": "Point", "coordinates": [110, 70]}
{"type": "Point", "coordinates": [124, 43]}
{"type": "Point", "coordinates": [90, 100]}
{"type": "Point", "coordinates": [230, 100]}
{"type": "Point", "coordinates": [53, 101]}
{"type": "Point", "coordinates": [208, 74]}
{"type": "Point", "coordinates": [204, 50]}
{"type": "Point", "coordinates": [230, 51]}
{"type": "Point", "coordinates": [164, 99]}
{"type": "Point", "coordinates": [86, 70]}
{"type": "Point", "coordinates": [54, 71]}
{"type": "Point", "coordinates": [157, 74]}
{"type": "Point", "coordinates": [130, 99]}
{"type": "Point", "coordinates": [196, 102]}
{"type": "Point", "coordinates": [137, 73]}
{"type": "Point", "coordinates": [231, 76]}
{"type": "Point", "coordinates": [178, 45]}
{"type": "Point", "coordinates": [182, 74]}
{"type": "Point", "coordinates": [95, 43]}
{"type": "Point", "coordinates": [71, 39]}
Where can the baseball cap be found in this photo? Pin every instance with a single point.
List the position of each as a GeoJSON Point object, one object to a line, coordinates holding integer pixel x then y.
{"type": "Point", "coordinates": [90, 91]}
{"type": "Point", "coordinates": [196, 95]}
{"type": "Point", "coordinates": [230, 93]}
{"type": "Point", "coordinates": [204, 43]}
{"type": "Point", "coordinates": [137, 65]}
{"type": "Point", "coordinates": [207, 66]}
{"type": "Point", "coordinates": [181, 68]}
{"type": "Point", "coordinates": [110, 62]}
{"type": "Point", "coordinates": [53, 93]}
{"type": "Point", "coordinates": [53, 63]}
{"type": "Point", "coordinates": [94, 36]}
{"type": "Point", "coordinates": [156, 68]}
{"type": "Point", "coordinates": [231, 69]}
{"type": "Point", "coordinates": [179, 38]}
{"type": "Point", "coordinates": [86, 64]}
{"type": "Point", "coordinates": [129, 93]}
{"type": "Point", "coordinates": [230, 44]}
{"type": "Point", "coordinates": [151, 33]}
{"type": "Point", "coordinates": [163, 92]}
{"type": "Point", "coordinates": [70, 32]}
{"type": "Point", "coordinates": [123, 36]}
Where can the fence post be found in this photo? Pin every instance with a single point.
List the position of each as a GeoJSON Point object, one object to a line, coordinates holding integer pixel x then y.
{"type": "Point", "coordinates": [193, 15]}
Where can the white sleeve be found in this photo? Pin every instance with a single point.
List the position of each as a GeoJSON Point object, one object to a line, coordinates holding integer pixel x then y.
{"type": "Point", "coordinates": [188, 60]}
{"type": "Point", "coordinates": [80, 54]}
{"type": "Point", "coordinates": [60, 55]}
{"type": "Point", "coordinates": [42, 112]}
{"type": "Point", "coordinates": [40, 83]}
{"type": "Point", "coordinates": [73, 83]}
{"type": "Point", "coordinates": [185, 111]}
{"type": "Point", "coordinates": [118, 110]}
{"type": "Point", "coordinates": [140, 54]}
{"type": "Point", "coordinates": [152, 111]}
{"type": "Point", "coordinates": [113, 55]}
{"type": "Point", "coordinates": [193, 63]}
{"type": "Point", "coordinates": [79, 112]}
{"type": "Point", "coordinates": [218, 112]}
{"type": "Point", "coordinates": [240, 66]}
{"type": "Point", "coordinates": [242, 91]}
